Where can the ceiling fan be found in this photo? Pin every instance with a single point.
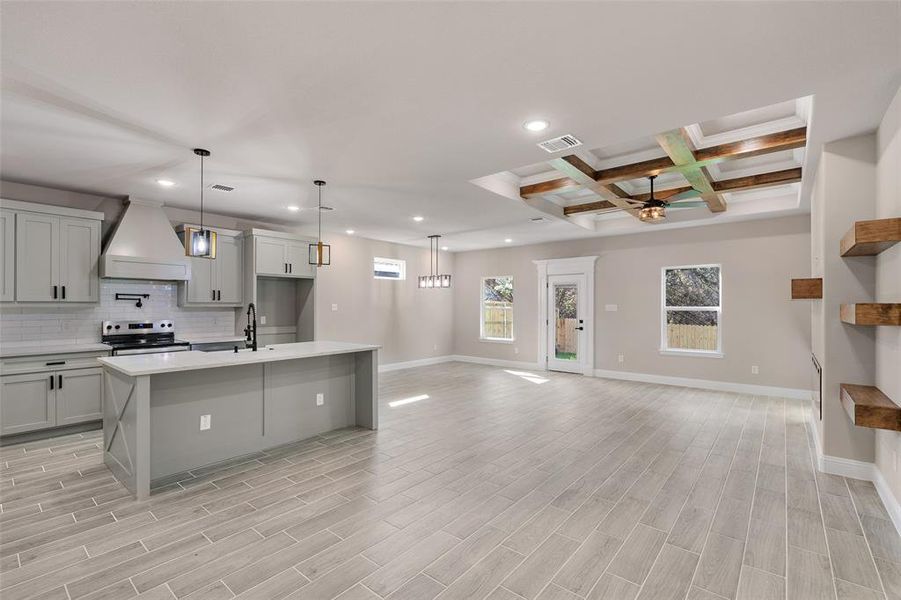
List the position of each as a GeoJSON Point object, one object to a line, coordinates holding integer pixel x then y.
{"type": "Point", "coordinates": [654, 211]}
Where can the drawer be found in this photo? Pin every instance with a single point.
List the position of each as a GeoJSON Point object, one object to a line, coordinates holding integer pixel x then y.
{"type": "Point", "coordinates": [49, 362]}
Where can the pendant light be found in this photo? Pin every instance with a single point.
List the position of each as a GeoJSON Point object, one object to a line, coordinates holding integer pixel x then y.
{"type": "Point", "coordinates": [201, 243]}
{"type": "Point", "coordinates": [434, 279]}
{"type": "Point", "coordinates": [654, 210]}
{"type": "Point", "coordinates": [320, 254]}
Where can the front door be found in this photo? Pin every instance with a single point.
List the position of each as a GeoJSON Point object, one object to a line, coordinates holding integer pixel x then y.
{"type": "Point", "coordinates": [566, 344]}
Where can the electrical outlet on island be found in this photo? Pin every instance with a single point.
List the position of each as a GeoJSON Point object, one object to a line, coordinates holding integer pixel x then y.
{"type": "Point", "coordinates": [320, 399]}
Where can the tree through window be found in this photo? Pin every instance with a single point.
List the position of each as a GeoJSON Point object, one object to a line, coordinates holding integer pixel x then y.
{"type": "Point", "coordinates": [692, 309]}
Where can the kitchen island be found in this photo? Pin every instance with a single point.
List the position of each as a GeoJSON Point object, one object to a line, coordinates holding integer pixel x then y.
{"type": "Point", "coordinates": [165, 414]}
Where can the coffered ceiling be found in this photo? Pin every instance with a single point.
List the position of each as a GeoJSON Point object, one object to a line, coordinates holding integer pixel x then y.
{"type": "Point", "coordinates": [415, 109]}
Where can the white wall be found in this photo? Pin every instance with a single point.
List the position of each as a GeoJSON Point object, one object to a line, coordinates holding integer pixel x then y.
{"type": "Point", "coordinates": [888, 288]}
{"type": "Point", "coordinates": [761, 325]}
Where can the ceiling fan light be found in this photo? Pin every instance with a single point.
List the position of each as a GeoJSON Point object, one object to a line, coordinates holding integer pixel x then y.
{"type": "Point", "coordinates": [652, 214]}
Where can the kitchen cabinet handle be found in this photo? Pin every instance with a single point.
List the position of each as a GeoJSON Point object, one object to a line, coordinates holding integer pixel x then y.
{"type": "Point", "coordinates": [213, 292]}
{"type": "Point", "coordinates": [64, 292]}
{"type": "Point", "coordinates": [219, 295]}
{"type": "Point", "coordinates": [286, 267]}
{"type": "Point", "coordinates": [54, 292]}
{"type": "Point", "coordinates": [55, 362]}
{"type": "Point", "coordinates": [290, 267]}
{"type": "Point", "coordinates": [51, 382]}
{"type": "Point", "coordinates": [60, 382]}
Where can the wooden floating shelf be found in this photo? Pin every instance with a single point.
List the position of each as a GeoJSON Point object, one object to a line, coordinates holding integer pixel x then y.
{"type": "Point", "coordinates": [807, 289]}
{"type": "Point", "coordinates": [871, 314]}
{"type": "Point", "coordinates": [867, 406]}
{"type": "Point", "coordinates": [868, 238]}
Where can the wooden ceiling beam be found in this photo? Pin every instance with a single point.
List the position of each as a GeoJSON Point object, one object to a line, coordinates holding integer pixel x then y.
{"type": "Point", "coordinates": [580, 171]}
{"type": "Point", "coordinates": [564, 184]}
{"type": "Point", "coordinates": [726, 185]}
{"type": "Point", "coordinates": [678, 146]}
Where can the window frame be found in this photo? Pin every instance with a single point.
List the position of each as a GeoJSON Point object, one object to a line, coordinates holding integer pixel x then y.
{"type": "Point", "coordinates": [482, 336]}
{"type": "Point", "coordinates": [664, 348]}
{"type": "Point", "coordinates": [399, 261]}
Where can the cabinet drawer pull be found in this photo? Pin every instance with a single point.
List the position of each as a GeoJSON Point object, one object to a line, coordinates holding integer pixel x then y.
{"type": "Point", "coordinates": [55, 362]}
{"type": "Point", "coordinates": [51, 382]}
{"type": "Point", "coordinates": [60, 382]}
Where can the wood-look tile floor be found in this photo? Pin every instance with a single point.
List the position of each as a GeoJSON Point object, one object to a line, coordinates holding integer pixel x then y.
{"type": "Point", "coordinates": [485, 483]}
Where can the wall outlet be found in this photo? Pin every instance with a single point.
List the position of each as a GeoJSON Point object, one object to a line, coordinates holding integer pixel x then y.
{"type": "Point", "coordinates": [755, 370]}
{"type": "Point", "coordinates": [263, 320]}
{"type": "Point", "coordinates": [611, 307]}
{"type": "Point", "coordinates": [515, 349]}
{"type": "Point", "coordinates": [435, 347]}
{"type": "Point", "coordinates": [621, 358]}
{"type": "Point", "coordinates": [334, 308]}
{"type": "Point", "coordinates": [320, 399]}
{"type": "Point", "coordinates": [205, 422]}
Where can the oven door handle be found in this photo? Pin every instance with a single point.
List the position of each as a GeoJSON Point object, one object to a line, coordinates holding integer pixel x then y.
{"type": "Point", "coordinates": [155, 350]}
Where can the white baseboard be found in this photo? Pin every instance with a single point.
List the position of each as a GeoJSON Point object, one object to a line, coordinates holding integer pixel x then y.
{"type": "Point", "coordinates": [422, 362]}
{"type": "Point", "coordinates": [858, 469]}
{"type": "Point", "coordinates": [707, 384]}
{"type": "Point", "coordinates": [495, 362]}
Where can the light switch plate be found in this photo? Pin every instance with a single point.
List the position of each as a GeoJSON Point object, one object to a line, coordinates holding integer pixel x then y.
{"type": "Point", "coordinates": [334, 308]}
{"type": "Point", "coordinates": [320, 399]}
{"type": "Point", "coordinates": [263, 320]}
{"type": "Point", "coordinates": [205, 422]}
{"type": "Point", "coordinates": [611, 307]}
{"type": "Point", "coordinates": [755, 370]}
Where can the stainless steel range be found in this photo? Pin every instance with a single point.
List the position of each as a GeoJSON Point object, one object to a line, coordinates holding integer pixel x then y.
{"type": "Point", "coordinates": [141, 337]}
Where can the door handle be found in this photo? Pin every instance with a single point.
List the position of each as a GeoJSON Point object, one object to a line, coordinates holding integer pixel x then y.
{"type": "Point", "coordinates": [64, 292]}
{"type": "Point", "coordinates": [54, 292]}
{"type": "Point", "coordinates": [60, 382]}
{"type": "Point", "coordinates": [51, 382]}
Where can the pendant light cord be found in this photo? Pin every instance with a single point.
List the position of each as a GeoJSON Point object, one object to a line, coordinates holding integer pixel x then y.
{"type": "Point", "coordinates": [320, 216]}
{"type": "Point", "coordinates": [201, 194]}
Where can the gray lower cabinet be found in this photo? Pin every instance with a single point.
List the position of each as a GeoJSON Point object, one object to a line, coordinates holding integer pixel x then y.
{"type": "Point", "coordinates": [79, 396]}
{"type": "Point", "coordinates": [27, 403]}
{"type": "Point", "coordinates": [35, 401]}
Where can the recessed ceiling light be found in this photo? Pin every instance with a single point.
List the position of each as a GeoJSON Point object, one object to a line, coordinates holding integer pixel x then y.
{"type": "Point", "coordinates": [294, 208]}
{"type": "Point", "coordinates": [350, 232]}
{"type": "Point", "coordinates": [507, 241]}
{"type": "Point", "coordinates": [444, 248]}
{"type": "Point", "coordinates": [536, 125]}
{"type": "Point", "coordinates": [418, 219]}
{"type": "Point", "coordinates": [165, 182]}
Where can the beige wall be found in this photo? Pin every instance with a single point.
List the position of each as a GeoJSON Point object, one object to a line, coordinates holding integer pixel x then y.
{"type": "Point", "coordinates": [888, 287]}
{"type": "Point", "coordinates": [761, 326]}
{"type": "Point", "coordinates": [409, 323]}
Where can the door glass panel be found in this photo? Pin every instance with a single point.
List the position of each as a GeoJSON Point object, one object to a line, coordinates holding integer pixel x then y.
{"type": "Point", "coordinates": [566, 320]}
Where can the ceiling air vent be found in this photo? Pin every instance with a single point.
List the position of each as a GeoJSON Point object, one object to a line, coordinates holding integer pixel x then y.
{"type": "Point", "coordinates": [221, 188]}
{"type": "Point", "coordinates": [559, 143]}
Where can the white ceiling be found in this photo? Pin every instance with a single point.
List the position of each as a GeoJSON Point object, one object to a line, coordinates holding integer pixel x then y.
{"type": "Point", "coordinates": [401, 105]}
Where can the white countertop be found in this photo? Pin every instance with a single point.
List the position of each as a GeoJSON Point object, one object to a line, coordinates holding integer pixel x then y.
{"type": "Point", "coordinates": [11, 350]}
{"type": "Point", "coordinates": [171, 362]}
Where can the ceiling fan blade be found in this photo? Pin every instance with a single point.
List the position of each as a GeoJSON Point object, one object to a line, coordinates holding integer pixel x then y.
{"type": "Point", "coordinates": [684, 196]}
{"type": "Point", "coordinates": [687, 204]}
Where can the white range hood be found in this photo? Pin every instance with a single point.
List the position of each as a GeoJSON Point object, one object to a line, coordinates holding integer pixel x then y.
{"type": "Point", "coordinates": [144, 246]}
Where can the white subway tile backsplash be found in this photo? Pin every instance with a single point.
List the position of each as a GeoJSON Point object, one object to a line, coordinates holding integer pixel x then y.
{"type": "Point", "coordinates": [82, 324]}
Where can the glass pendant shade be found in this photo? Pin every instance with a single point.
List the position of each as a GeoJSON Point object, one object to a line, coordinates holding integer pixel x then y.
{"type": "Point", "coordinates": [202, 243]}
{"type": "Point", "coordinates": [432, 281]}
{"type": "Point", "coordinates": [320, 254]}
{"type": "Point", "coordinates": [652, 214]}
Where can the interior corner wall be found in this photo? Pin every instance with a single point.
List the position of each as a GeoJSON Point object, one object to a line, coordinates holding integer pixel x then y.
{"type": "Point", "coordinates": [846, 180]}
{"type": "Point", "coordinates": [888, 288]}
{"type": "Point", "coordinates": [408, 322]}
{"type": "Point", "coordinates": [761, 325]}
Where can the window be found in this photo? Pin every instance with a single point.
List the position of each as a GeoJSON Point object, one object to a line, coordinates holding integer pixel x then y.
{"type": "Point", "coordinates": [692, 308]}
{"type": "Point", "coordinates": [389, 268]}
{"type": "Point", "coordinates": [497, 309]}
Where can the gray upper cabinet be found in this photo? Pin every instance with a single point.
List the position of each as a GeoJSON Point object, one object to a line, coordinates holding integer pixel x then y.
{"type": "Point", "coordinates": [282, 257]}
{"type": "Point", "coordinates": [220, 280]}
{"type": "Point", "coordinates": [37, 257]}
{"type": "Point", "coordinates": [7, 255]}
{"type": "Point", "coordinates": [79, 244]}
{"type": "Point", "coordinates": [50, 253]}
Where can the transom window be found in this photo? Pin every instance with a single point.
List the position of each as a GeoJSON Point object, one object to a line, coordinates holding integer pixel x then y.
{"type": "Point", "coordinates": [389, 268]}
{"type": "Point", "coordinates": [692, 310]}
{"type": "Point", "coordinates": [497, 309]}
